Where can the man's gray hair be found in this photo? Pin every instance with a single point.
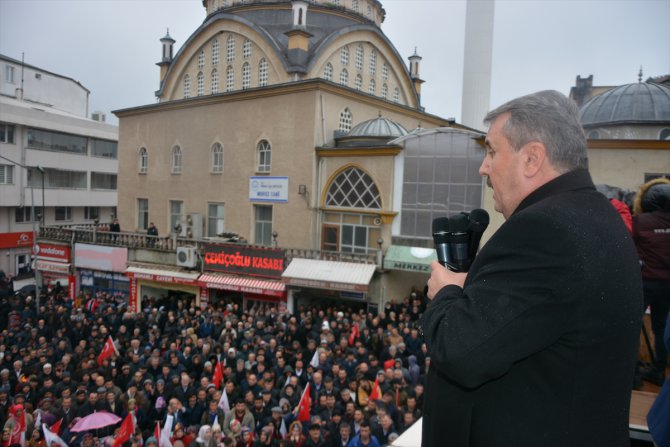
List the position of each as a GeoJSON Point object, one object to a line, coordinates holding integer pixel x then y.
{"type": "Point", "coordinates": [550, 118]}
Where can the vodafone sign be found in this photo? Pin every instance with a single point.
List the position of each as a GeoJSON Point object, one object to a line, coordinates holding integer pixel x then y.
{"type": "Point", "coordinates": [53, 252]}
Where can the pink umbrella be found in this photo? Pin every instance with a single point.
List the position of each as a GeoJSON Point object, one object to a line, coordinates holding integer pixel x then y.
{"type": "Point", "coordinates": [95, 420]}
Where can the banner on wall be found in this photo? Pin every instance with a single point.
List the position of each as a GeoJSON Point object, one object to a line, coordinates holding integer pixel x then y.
{"type": "Point", "coordinates": [244, 260]}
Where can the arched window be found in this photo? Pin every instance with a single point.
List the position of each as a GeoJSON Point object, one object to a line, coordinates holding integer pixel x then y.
{"type": "Point", "coordinates": [359, 57]}
{"type": "Point", "coordinates": [217, 158]}
{"type": "Point", "coordinates": [246, 75]}
{"type": "Point", "coordinates": [346, 120]}
{"type": "Point", "coordinates": [187, 86]}
{"type": "Point", "coordinates": [143, 161]}
{"type": "Point", "coordinates": [344, 55]}
{"type": "Point", "coordinates": [230, 79]}
{"type": "Point", "coordinates": [359, 82]}
{"type": "Point", "coordinates": [385, 72]}
{"type": "Point", "coordinates": [385, 91]}
{"type": "Point", "coordinates": [201, 84]}
{"type": "Point", "coordinates": [201, 59]}
{"type": "Point", "coordinates": [396, 94]}
{"type": "Point", "coordinates": [354, 5]}
{"type": "Point", "coordinates": [230, 50]}
{"type": "Point", "coordinates": [344, 77]}
{"type": "Point", "coordinates": [664, 134]}
{"type": "Point", "coordinates": [593, 135]}
{"type": "Point", "coordinates": [372, 65]}
{"type": "Point", "coordinates": [372, 87]}
{"type": "Point", "coordinates": [263, 72]}
{"type": "Point", "coordinates": [328, 72]}
{"type": "Point", "coordinates": [176, 160]}
{"type": "Point", "coordinates": [264, 152]}
{"type": "Point", "coordinates": [353, 188]}
{"type": "Point", "coordinates": [215, 81]}
{"type": "Point", "coordinates": [215, 52]}
{"type": "Point", "coordinates": [246, 49]}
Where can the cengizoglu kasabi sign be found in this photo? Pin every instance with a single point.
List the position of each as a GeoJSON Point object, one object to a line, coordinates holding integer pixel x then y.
{"type": "Point", "coordinates": [244, 260]}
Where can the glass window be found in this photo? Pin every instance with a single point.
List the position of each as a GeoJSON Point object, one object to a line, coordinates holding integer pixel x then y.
{"type": "Point", "coordinates": [215, 52]}
{"type": "Point", "coordinates": [353, 188]}
{"type": "Point", "coordinates": [57, 178]}
{"type": "Point", "coordinates": [56, 141]}
{"type": "Point", "coordinates": [104, 148]}
{"type": "Point", "coordinates": [396, 94]}
{"type": "Point", "coordinates": [359, 82]}
{"type": "Point", "coordinates": [346, 120]}
{"type": "Point", "coordinates": [344, 77]}
{"type": "Point", "coordinates": [385, 72]}
{"type": "Point", "coordinates": [62, 213]}
{"type": "Point", "coordinates": [91, 212]}
{"type": "Point", "coordinates": [143, 162]}
{"type": "Point", "coordinates": [328, 72]}
{"type": "Point", "coordinates": [230, 50]}
{"type": "Point", "coordinates": [350, 233]}
{"type": "Point", "coordinates": [372, 87]}
{"type": "Point", "coordinates": [187, 86]}
{"type": "Point", "coordinates": [9, 74]}
{"type": "Point", "coordinates": [215, 81]}
{"type": "Point", "coordinates": [372, 65]}
{"type": "Point", "coordinates": [359, 57]}
{"type": "Point", "coordinates": [246, 75]}
{"type": "Point", "coordinates": [246, 49]}
{"type": "Point", "coordinates": [100, 180]}
{"type": "Point", "coordinates": [385, 91]}
{"type": "Point", "coordinates": [354, 5]}
{"type": "Point", "coordinates": [263, 73]}
{"type": "Point", "coordinates": [344, 55]}
{"type": "Point", "coordinates": [263, 224]}
{"type": "Point", "coordinates": [201, 60]}
{"type": "Point", "coordinates": [664, 134]}
{"type": "Point", "coordinates": [264, 156]}
{"type": "Point", "coordinates": [142, 214]}
{"type": "Point", "coordinates": [230, 79]}
{"type": "Point", "coordinates": [201, 84]}
{"type": "Point", "coordinates": [217, 158]}
{"type": "Point", "coordinates": [176, 209]}
{"type": "Point", "coordinates": [23, 214]}
{"type": "Point", "coordinates": [6, 133]}
{"type": "Point", "coordinates": [6, 174]}
{"type": "Point", "coordinates": [215, 219]}
{"type": "Point", "coordinates": [176, 160]}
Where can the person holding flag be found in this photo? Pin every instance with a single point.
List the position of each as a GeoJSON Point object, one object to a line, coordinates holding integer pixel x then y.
{"type": "Point", "coordinates": [125, 431]}
{"type": "Point", "coordinates": [16, 423]}
{"type": "Point", "coordinates": [108, 349]}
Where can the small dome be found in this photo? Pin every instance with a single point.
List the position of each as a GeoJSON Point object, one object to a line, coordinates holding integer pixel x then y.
{"type": "Point", "coordinates": [631, 103]}
{"type": "Point", "coordinates": [378, 128]}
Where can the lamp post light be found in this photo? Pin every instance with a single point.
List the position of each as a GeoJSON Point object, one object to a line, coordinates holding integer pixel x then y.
{"type": "Point", "coordinates": [274, 238]}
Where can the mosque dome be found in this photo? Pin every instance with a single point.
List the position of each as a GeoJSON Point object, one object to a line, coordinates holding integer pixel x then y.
{"type": "Point", "coordinates": [379, 127]}
{"type": "Point", "coordinates": [639, 103]}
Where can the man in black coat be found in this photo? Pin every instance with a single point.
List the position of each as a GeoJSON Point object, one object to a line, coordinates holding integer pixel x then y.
{"type": "Point", "coordinates": [536, 344]}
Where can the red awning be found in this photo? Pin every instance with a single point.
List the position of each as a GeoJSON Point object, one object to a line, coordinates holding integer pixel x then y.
{"type": "Point", "coordinates": [242, 284]}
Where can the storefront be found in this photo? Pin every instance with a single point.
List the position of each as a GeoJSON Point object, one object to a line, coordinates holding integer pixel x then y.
{"type": "Point", "coordinates": [101, 269]}
{"type": "Point", "coordinates": [163, 286]}
{"type": "Point", "coordinates": [16, 246]}
{"type": "Point", "coordinates": [329, 282]}
{"type": "Point", "coordinates": [53, 262]}
{"type": "Point", "coordinates": [243, 274]}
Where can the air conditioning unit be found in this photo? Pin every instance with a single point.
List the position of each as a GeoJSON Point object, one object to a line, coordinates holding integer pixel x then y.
{"type": "Point", "coordinates": [186, 257]}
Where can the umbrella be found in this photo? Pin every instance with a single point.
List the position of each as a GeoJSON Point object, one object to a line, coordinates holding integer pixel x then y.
{"type": "Point", "coordinates": [95, 420]}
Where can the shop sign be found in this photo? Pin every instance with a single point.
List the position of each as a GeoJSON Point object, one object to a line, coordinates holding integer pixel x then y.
{"type": "Point", "coordinates": [163, 278]}
{"type": "Point", "coordinates": [54, 267]}
{"type": "Point", "coordinates": [316, 284]}
{"type": "Point", "coordinates": [14, 240]}
{"type": "Point", "coordinates": [132, 299]}
{"type": "Point", "coordinates": [244, 260]}
{"type": "Point", "coordinates": [268, 189]}
{"type": "Point", "coordinates": [52, 252]}
{"type": "Point", "coordinates": [99, 257]}
{"type": "Point", "coordinates": [72, 287]}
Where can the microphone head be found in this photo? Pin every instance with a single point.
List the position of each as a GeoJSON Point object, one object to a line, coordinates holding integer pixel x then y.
{"type": "Point", "coordinates": [440, 230]}
{"type": "Point", "coordinates": [479, 219]}
{"type": "Point", "coordinates": [459, 223]}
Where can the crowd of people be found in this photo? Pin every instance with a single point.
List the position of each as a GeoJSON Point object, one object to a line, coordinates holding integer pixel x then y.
{"type": "Point", "coordinates": [364, 373]}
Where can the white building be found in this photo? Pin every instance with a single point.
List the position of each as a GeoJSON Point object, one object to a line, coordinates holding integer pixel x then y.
{"type": "Point", "coordinates": [51, 155]}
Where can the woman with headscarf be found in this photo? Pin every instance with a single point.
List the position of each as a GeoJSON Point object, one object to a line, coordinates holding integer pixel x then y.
{"type": "Point", "coordinates": [204, 436]}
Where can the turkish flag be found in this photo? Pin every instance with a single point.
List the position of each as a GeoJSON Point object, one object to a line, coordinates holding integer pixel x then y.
{"type": "Point", "coordinates": [354, 335]}
{"type": "Point", "coordinates": [107, 350]}
{"type": "Point", "coordinates": [304, 407]}
{"type": "Point", "coordinates": [376, 391]}
{"type": "Point", "coordinates": [217, 378]}
{"type": "Point", "coordinates": [126, 430]}
{"type": "Point", "coordinates": [389, 364]}
{"type": "Point", "coordinates": [56, 427]}
{"type": "Point", "coordinates": [18, 433]}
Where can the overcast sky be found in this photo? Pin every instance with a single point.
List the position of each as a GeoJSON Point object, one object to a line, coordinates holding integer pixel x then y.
{"type": "Point", "coordinates": [111, 46]}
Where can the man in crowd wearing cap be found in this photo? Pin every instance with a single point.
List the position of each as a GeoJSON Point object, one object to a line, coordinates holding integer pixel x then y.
{"type": "Point", "coordinates": [315, 438]}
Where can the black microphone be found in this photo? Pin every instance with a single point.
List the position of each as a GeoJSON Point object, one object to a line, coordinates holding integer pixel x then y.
{"type": "Point", "coordinates": [441, 238]}
{"type": "Point", "coordinates": [479, 220]}
{"type": "Point", "coordinates": [459, 242]}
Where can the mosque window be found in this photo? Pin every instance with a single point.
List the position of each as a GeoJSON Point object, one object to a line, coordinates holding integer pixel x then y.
{"type": "Point", "coordinates": [230, 49]}
{"type": "Point", "coordinates": [230, 79]}
{"type": "Point", "coordinates": [143, 161]}
{"type": "Point", "coordinates": [369, 14]}
{"type": "Point", "coordinates": [328, 72]}
{"type": "Point", "coordinates": [344, 77]}
{"type": "Point", "coordinates": [201, 59]}
{"type": "Point", "coordinates": [396, 94]}
{"type": "Point", "coordinates": [354, 5]}
{"type": "Point", "coordinates": [344, 55]}
{"type": "Point", "coordinates": [372, 66]}
{"type": "Point", "coordinates": [359, 57]}
{"type": "Point", "coordinates": [263, 73]}
{"type": "Point", "coordinates": [246, 75]}
{"type": "Point", "coordinates": [664, 134]}
{"type": "Point", "coordinates": [359, 82]}
{"type": "Point", "coordinates": [176, 160]}
{"type": "Point", "coordinates": [187, 86]}
{"type": "Point", "coordinates": [353, 188]}
{"type": "Point", "coordinates": [246, 49]}
{"type": "Point", "coordinates": [346, 120]}
{"type": "Point", "coordinates": [215, 81]}
{"type": "Point", "coordinates": [215, 52]}
{"type": "Point", "coordinates": [385, 91]}
{"type": "Point", "coordinates": [201, 84]}
{"type": "Point", "coordinates": [217, 158]}
{"type": "Point", "coordinates": [593, 135]}
{"type": "Point", "coordinates": [372, 87]}
{"type": "Point", "coordinates": [264, 151]}
{"type": "Point", "coordinates": [385, 72]}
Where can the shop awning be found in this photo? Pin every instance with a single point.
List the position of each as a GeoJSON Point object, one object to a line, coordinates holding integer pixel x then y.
{"type": "Point", "coordinates": [348, 276]}
{"type": "Point", "coordinates": [242, 284]}
{"type": "Point", "coordinates": [413, 259]}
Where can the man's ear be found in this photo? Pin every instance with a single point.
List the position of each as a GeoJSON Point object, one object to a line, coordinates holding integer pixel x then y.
{"type": "Point", "coordinates": [535, 157]}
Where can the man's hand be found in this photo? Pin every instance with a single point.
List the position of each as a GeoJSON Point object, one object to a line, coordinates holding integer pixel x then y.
{"type": "Point", "coordinates": [441, 276]}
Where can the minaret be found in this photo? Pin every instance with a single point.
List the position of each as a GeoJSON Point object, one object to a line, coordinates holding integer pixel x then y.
{"type": "Point", "coordinates": [298, 37]}
{"type": "Point", "coordinates": [477, 62]}
{"type": "Point", "coordinates": [414, 62]}
{"type": "Point", "coordinates": [166, 57]}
